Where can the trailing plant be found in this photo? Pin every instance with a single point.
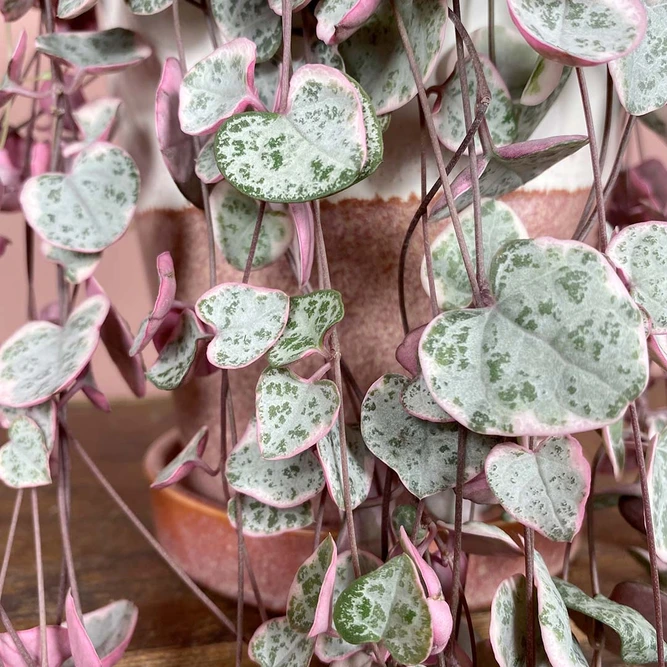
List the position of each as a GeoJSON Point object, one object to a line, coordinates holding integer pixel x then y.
{"type": "Point", "coordinates": [530, 341]}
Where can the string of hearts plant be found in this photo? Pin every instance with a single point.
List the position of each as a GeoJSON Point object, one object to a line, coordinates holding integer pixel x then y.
{"type": "Point", "coordinates": [531, 340]}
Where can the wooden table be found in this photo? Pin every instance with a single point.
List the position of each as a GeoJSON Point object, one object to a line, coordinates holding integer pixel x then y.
{"type": "Point", "coordinates": [113, 561]}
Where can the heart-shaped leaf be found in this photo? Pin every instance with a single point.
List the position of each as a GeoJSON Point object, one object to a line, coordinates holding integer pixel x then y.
{"type": "Point", "coordinates": [311, 316]}
{"type": "Point", "coordinates": [310, 598]}
{"type": "Point", "coordinates": [580, 34]}
{"type": "Point", "coordinates": [450, 121]}
{"type": "Point", "coordinates": [543, 80]}
{"type": "Point", "coordinates": [559, 306]}
{"type": "Point", "coordinates": [101, 637]}
{"type": "Point", "coordinates": [423, 454]}
{"type": "Point", "coordinates": [293, 413]}
{"type": "Point", "coordinates": [316, 149]}
{"type": "Point", "coordinates": [416, 399]}
{"type": "Point", "coordinates": [44, 415]}
{"type": "Point", "coordinates": [545, 489]}
{"type": "Point", "coordinates": [337, 20]}
{"type": "Point", "coordinates": [96, 119]}
{"type": "Point", "coordinates": [452, 287]}
{"type": "Point", "coordinates": [276, 644]}
{"type": "Point", "coordinates": [177, 360]}
{"type": "Point", "coordinates": [657, 469]}
{"type": "Point", "coordinates": [640, 253]}
{"type": "Point", "coordinates": [374, 55]}
{"type": "Point", "coordinates": [638, 639]}
{"type": "Point", "coordinates": [508, 168]}
{"type": "Point", "coordinates": [247, 320]}
{"type": "Point", "coordinates": [234, 219]}
{"type": "Point", "coordinates": [303, 244]}
{"type": "Point", "coordinates": [217, 87]}
{"type": "Point", "coordinates": [24, 460]}
{"type": "Point", "coordinates": [95, 52]}
{"type": "Point", "coordinates": [612, 437]}
{"type": "Point", "coordinates": [69, 9]}
{"type": "Point", "coordinates": [260, 520]}
{"type": "Point", "coordinates": [148, 7]}
{"type": "Point", "coordinates": [360, 464]}
{"type": "Point", "coordinates": [41, 358]}
{"type": "Point", "coordinates": [206, 167]}
{"type": "Point", "coordinates": [387, 605]}
{"type": "Point", "coordinates": [283, 483]}
{"type": "Point", "coordinates": [407, 353]}
{"type": "Point", "coordinates": [79, 266]}
{"type": "Point", "coordinates": [189, 458]}
{"type": "Point", "coordinates": [427, 575]}
{"type": "Point", "coordinates": [253, 19]}
{"type": "Point", "coordinates": [91, 207]}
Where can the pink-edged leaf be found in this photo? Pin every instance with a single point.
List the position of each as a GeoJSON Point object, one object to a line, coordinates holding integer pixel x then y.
{"type": "Point", "coordinates": [417, 400]}
{"type": "Point", "coordinates": [88, 209]}
{"type": "Point", "coordinates": [545, 489]}
{"type": "Point", "coordinates": [217, 87]}
{"type": "Point", "coordinates": [441, 623]}
{"type": "Point", "coordinates": [276, 643]}
{"type": "Point", "coordinates": [614, 444]}
{"type": "Point", "coordinates": [57, 644]}
{"type": "Point", "coordinates": [4, 242]}
{"type": "Point", "coordinates": [656, 476]}
{"type": "Point", "coordinates": [336, 20]}
{"type": "Point", "coordinates": [79, 266]}
{"type": "Point", "coordinates": [310, 598]}
{"type": "Point", "coordinates": [407, 353]}
{"type": "Point", "coordinates": [280, 483]}
{"type": "Point", "coordinates": [10, 172]}
{"type": "Point", "coordinates": [13, 10]}
{"type": "Point", "coordinates": [485, 539]}
{"type": "Point", "coordinates": [206, 168]}
{"type": "Point", "coordinates": [297, 5]}
{"type": "Point", "coordinates": [262, 520]}
{"type": "Point", "coordinates": [40, 156]}
{"type": "Point", "coordinates": [429, 577]}
{"type": "Point", "coordinates": [169, 324]}
{"type": "Point", "coordinates": [543, 80]}
{"type": "Point", "coordinates": [304, 241]}
{"type": "Point", "coordinates": [41, 358]}
{"type": "Point", "coordinates": [101, 637]}
{"type": "Point", "coordinates": [69, 9]}
{"type": "Point", "coordinates": [24, 460]}
{"type": "Point", "coordinates": [44, 415]}
{"type": "Point", "coordinates": [185, 462]}
{"type": "Point", "coordinates": [96, 121]}
{"type": "Point", "coordinates": [443, 569]}
{"type": "Point", "coordinates": [163, 302]}
{"type": "Point", "coordinates": [478, 491]}
{"type": "Point", "coordinates": [639, 195]}
{"type": "Point", "coordinates": [580, 34]}
{"type": "Point", "coordinates": [95, 52]}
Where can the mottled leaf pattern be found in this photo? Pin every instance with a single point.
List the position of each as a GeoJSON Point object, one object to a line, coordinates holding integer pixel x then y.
{"type": "Point", "coordinates": [69, 9]}
{"type": "Point", "coordinates": [260, 520]}
{"type": "Point", "coordinates": [404, 516]}
{"type": "Point", "coordinates": [317, 148]}
{"type": "Point", "coordinates": [559, 305]}
{"type": "Point", "coordinates": [339, 19]}
{"type": "Point", "coordinates": [91, 207]}
{"type": "Point", "coordinates": [79, 266]}
{"type": "Point", "coordinates": [276, 644]}
{"type": "Point", "coordinates": [422, 453]}
{"type": "Point", "coordinates": [206, 167]}
{"type": "Point", "coordinates": [374, 140]}
{"type": "Point", "coordinates": [24, 460]}
{"type": "Point", "coordinates": [612, 437]}
{"type": "Point", "coordinates": [657, 491]}
{"type": "Point", "coordinates": [310, 318]}
{"type": "Point", "coordinates": [417, 400]}
{"type": "Point", "coordinates": [545, 489]}
{"type": "Point", "coordinates": [248, 321]}
{"type": "Point", "coordinates": [293, 413]}
{"type": "Point", "coordinates": [148, 7]}
{"type": "Point", "coordinates": [44, 415]}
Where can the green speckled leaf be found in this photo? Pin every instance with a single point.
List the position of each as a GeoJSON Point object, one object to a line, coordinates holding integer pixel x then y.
{"type": "Point", "coordinates": [88, 209]}
{"type": "Point", "coordinates": [559, 306]}
{"type": "Point", "coordinates": [543, 81]}
{"type": "Point", "coordinates": [316, 149]}
{"type": "Point", "coordinates": [247, 320]}
{"type": "Point", "coordinates": [276, 644]}
{"type": "Point", "coordinates": [284, 483]}
{"type": "Point", "coordinates": [452, 287]}
{"type": "Point", "coordinates": [309, 600]}
{"type": "Point", "coordinates": [148, 7]}
{"type": "Point", "coordinates": [293, 413]}
{"type": "Point", "coordinates": [449, 120]}
{"type": "Point", "coordinates": [374, 139]}
{"type": "Point", "coordinates": [545, 489]}
{"type": "Point", "coordinates": [260, 520]}
{"type": "Point", "coordinates": [360, 464]}
{"type": "Point", "coordinates": [24, 460]}
{"type": "Point", "coordinates": [417, 400]}
{"type": "Point", "coordinates": [638, 639]}
{"type": "Point", "coordinates": [657, 490]}
{"type": "Point", "coordinates": [69, 9]}
{"type": "Point", "coordinates": [387, 605]}
{"type": "Point", "coordinates": [44, 415]}
{"type": "Point", "coordinates": [310, 318]}
{"type": "Point", "coordinates": [79, 266]}
{"type": "Point", "coordinates": [612, 436]}
{"type": "Point", "coordinates": [404, 516]}
{"type": "Point", "coordinates": [96, 121]}
{"type": "Point", "coordinates": [42, 358]}
{"type": "Point", "coordinates": [374, 55]}
{"type": "Point", "coordinates": [176, 362]}
{"type": "Point", "coordinates": [422, 453]}
{"type": "Point", "coordinates": [640, 252]}
{"type": "Point", "coordinates": [206, 167]}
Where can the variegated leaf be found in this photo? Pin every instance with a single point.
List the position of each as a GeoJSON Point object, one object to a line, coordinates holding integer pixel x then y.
{"type": "Point", "coordinates": [450, 121]}
{"type": "Point", "coordinates": [638, 639]}
{"type": "Point", "coordinates": [282, 483]}
{"type": "Point", "coordinates": [247, 320]}
{"type": "Point", "coordinates": [311, 316]}
{"type": "Point", "coordinates": [95, 52]}
{"type": "Point", "coordinates": [316, 149]}
{"type": "Point", "coordinates": [206, 167]}
{"type": "Point", "coordinates": [423, 454]}
{"type": "Point", "coordinates": [545, 489]}
{"type": "Point", "coordinates": [559, 305]}
{"type": "Point", "coordinates": [293, 413]}
{"type": "Point", "coordinates": [24, 460]}
{"type": "Point", "coordinates": [374, 140]}
{"type": "Point", "coordinates": [260, 520]}
{"type": "Point", "coordinates": [404, 516]}
{"type": "Point", "coordinates": [374, 55]}
{"type": "Point", "coordinates": [580, 33]}
{"type": "Point", "coordinates": [96, 119]}
{"type": "Point", "coordinates": [42, 358]}
{"type": "Point", "coordinates": [543, 81]}
{"type": "Point", "coordinates": [657, 490]}
{"type": "Point", "coordinates": [387, 605]}
{"type": "Point", "coordinates": [360, 464]}
{"type": "Point", "coordinates": [640, 253]}
{"type": "Point", "coordinates": [44, 415]}
{"type": "Point", "coordinates": [276, 644]}
{"type": "Point", "coordinates": [310, 598]}
{"type": "Point", "coordinates": [79, 266]}
{"type": "Point", "coordinates": [148, 7]}
{"type": "Point", "coordinates": [612, 437]}
{"type": "Point", "coordinates": [234, 219]}
{"type": "Point", "coordinates": [417, 400]}
{"type": "Point", "coordinates": [217, 87]}
{"type": "Point", "coordinates": [452, 287]}
{"type": "Point", "coordinates": [91, 207]}
{"type": "Point", "coordinates": [339, 19]}
{"type": "Point", "coordinates": [69, 9]}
